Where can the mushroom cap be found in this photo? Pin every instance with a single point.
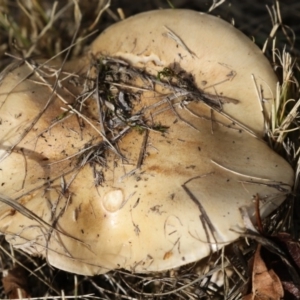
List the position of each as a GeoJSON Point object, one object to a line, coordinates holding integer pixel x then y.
{"type": "Point", "coordinates": [153, 200]}
{"type": "Point", "coordinates": [222, 60]}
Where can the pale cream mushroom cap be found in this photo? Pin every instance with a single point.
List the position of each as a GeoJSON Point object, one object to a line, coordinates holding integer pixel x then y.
{"type": "Point", "coordinates": [222, 59]}
{"type": "Point", "coordinates": [179, 204]}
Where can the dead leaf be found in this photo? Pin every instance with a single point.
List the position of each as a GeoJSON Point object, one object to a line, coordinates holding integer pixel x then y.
{"type": "Point", "coordinates": [15, 284]}
{"type": "Point", "coordinates": [266, 285]}
{"type": "Point", "coordinates": [291, 288]}
{"type": "Point", "coordinates": [292, 246]}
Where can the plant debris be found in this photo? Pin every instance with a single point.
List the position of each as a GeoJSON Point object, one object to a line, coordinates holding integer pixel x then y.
{"type": "Point", "coordinates": [265, 283]}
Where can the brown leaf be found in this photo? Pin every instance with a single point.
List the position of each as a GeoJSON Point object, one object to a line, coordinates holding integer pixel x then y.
{"type": "Point", "coordinates": [291, 288]}
{"type": "Point", "coordinates": [266, 284]}
{"type": "Point", "coordinates": [293, 246]}
{"type": "Point", "coordinates": [15, 284]}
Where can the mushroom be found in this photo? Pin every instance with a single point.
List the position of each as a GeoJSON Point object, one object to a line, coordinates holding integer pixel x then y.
{"type": "Point", "coordinates": [159, 177]}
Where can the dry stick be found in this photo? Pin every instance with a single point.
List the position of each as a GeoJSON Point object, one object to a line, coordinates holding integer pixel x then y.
{"type": "Point", "coordinates": [30, 214]}
{"type": "Point", "coordinates": [204, 218]}
{"type": "Point", "coordinates": [113, 281]}
{"type": "Point", "coordinates": [283, 26]}
{"type": "Point", "coordinates": [258, 215]}
{"type": "Point", "coordinates": [25, 167]}
{"type": "Point", "coordinates": [123, 85]}
{"type": "Point", "coordinates": [19, 61]}
{"type": "Point", "coordinates": [53, 226]}
{"type": "Point", "coordinates": [244, 127]}
{"type": "Point", "coordinates": [210, 101]}
{"type": "Point", "coordinates": [29, 241]}
{"type": "Point", "coordinates": [113, 140]}
{"type": "Point", "coordinates": [274, 29]}
{"type": "Point", "coordinates": [185, 286]}
{"type": "Point", "coordinates": [85, 118]}
{"type": "Point", "coordinates": [143, 150]}
{"type": "Point", "coordinates": [14, 65]}
{"type": "Point", "coordinates": [53, 18]}
{"type": "Point", "coordinates": [102, 10]}
{"type": "Point", "coordinates": [215, 5]}
{"type": "Point", "coordinates": [169, 99]}
{"type": "Point", "coordinates": [277, 185]}
{"type": "Point", "coordinates": [171, 34]}
{"type": "Point", "coordinates": [268, 182]}
{"type": "Point", "coordinates": [286, 61]}
{"type": "Point", "coordinates": [101, 290]}
{"type": "Point", "coordinates": [100, 103]}
{"type": "Point", "coordinates": [31, 272]}
{"type": "Point", "coordinates": [238, 173]}
{"type": "Point", "coordinates": [211, 119]}
{"type": "Point", "coordinates": [62, 297]}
